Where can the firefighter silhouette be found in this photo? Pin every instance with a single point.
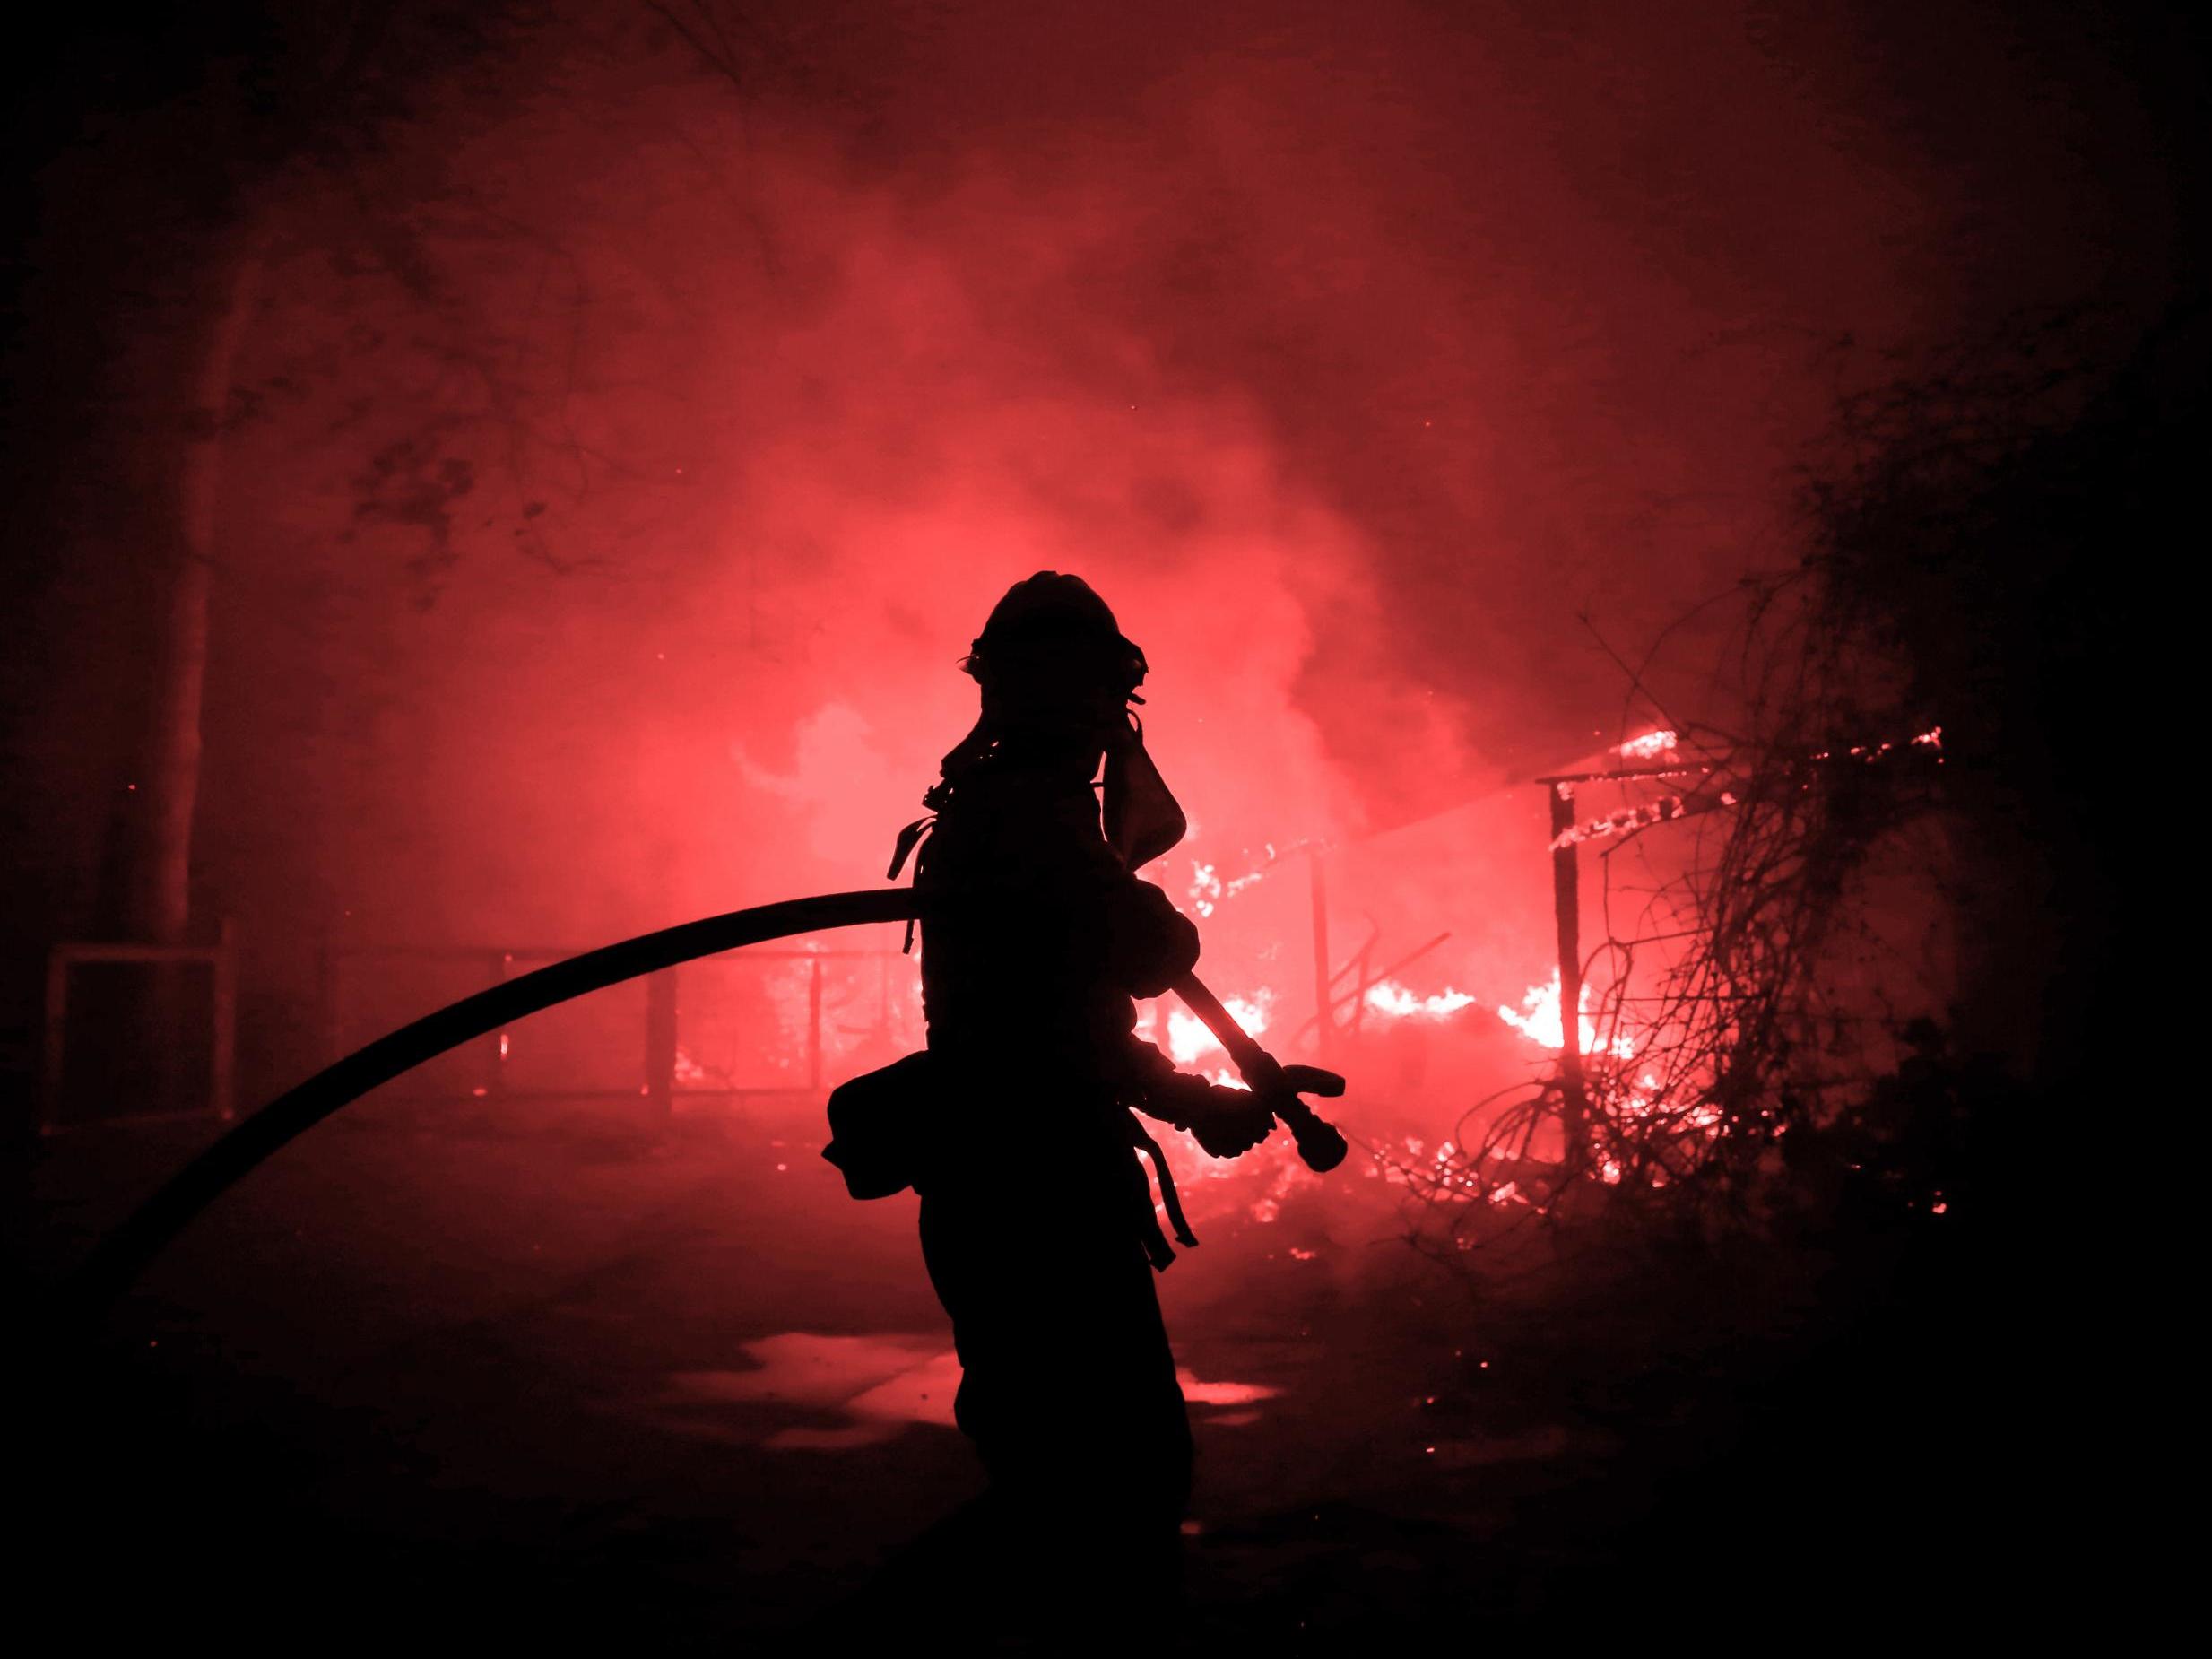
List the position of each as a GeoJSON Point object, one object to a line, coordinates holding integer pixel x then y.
{"type": "Point", "coordinates": [1037, 1219]}
{"type": "Point", "coordinates": [1017, 1126]}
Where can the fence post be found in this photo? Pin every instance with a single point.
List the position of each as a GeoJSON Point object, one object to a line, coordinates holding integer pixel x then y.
{"type": "Point", "coordinates": [1566, 915]}
{"type": "Point", "coordinates": [222, 1067]}
{"type": "Point", "coordinates": [56, 1038]}
{"type": "Point", "coordinates": [495, 1045]}
{"type": "Point", "coordinates": [814, 1027]}
{"type": "Point", "coordinates": [661, 1042]}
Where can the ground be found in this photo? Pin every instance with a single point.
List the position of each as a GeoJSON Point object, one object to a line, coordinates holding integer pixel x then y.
{"type": "Point", "coordinates": [544, 1370]}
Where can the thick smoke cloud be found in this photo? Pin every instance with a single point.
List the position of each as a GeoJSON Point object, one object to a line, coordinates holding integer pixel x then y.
{"type": "Point", "coordinates": [625, 455]}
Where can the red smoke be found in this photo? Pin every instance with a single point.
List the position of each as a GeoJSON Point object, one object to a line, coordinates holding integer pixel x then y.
{"type": "Point", "coordinates": [632, 455]}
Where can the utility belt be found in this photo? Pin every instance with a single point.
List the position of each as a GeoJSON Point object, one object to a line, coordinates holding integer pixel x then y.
{"type": "Point", "coordinates": [894, 1127]}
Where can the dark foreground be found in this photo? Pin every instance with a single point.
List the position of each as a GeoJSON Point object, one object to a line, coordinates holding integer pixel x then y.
{"type": "Point", "coordinates": [440, 1377]}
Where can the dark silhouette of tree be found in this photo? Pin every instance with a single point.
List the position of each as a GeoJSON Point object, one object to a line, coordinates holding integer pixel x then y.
{"type": "Point", "coordinates": [169, 156]}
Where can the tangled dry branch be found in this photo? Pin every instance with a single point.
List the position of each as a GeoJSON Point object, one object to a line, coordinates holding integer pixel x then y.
{"type": "Point", "coordinates": [1743, 990]}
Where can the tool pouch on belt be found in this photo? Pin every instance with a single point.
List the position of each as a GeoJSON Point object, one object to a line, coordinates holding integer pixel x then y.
{"type": "Point", "coordinates": [879, 1123]}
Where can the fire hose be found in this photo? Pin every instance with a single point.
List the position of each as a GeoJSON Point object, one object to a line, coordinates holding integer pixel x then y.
{"type": "Point", "coordinates": [115, 1265]}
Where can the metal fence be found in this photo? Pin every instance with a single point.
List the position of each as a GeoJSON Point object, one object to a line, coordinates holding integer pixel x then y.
{"type": "Point", "coordinates": [64, 964]}
{"type": "Point", "coordinates": [785, 1008]}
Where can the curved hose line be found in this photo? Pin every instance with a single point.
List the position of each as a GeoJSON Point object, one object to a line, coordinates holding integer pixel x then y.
{"type": "Point", "coordinates": [116, 1264]}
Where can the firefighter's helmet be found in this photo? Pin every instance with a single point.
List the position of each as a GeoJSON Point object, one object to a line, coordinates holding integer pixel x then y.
{"type": "Point", "coordinates": [1052, 632]}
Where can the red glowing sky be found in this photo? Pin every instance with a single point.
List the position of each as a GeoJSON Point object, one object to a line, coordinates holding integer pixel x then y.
{"type": "Point", "coordinates": [1350, 354]}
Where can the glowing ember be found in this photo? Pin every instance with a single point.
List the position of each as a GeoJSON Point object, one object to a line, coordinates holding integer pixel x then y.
{"type": "Point", "coordinates": [1538, 1020]}
{"type": "Point", "coordinates": [1648, 747]}
{"type": "Point", "coordinates": [1628, 819]}
{"type": "Point", "coordinates": [1932, 738]}
{"type": "Point", "coordinates": [1205, 888]}
{"type": "Point", "coordinates": [1208, 889]}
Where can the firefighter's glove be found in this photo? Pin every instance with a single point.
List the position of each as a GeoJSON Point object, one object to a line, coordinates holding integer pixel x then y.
{"type": "Point", "coordinates": [1247, 1117]}
{"type": "Point", "coordinates": [1234, 1122]}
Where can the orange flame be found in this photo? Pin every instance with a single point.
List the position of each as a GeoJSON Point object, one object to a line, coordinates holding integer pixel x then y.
{"type": "Point", "coordinates": [1390, 998]}
{"type": "Point", "coordinates": [1650, 746]}
{"type": "Point", "coordinates": [1538, 1020]}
